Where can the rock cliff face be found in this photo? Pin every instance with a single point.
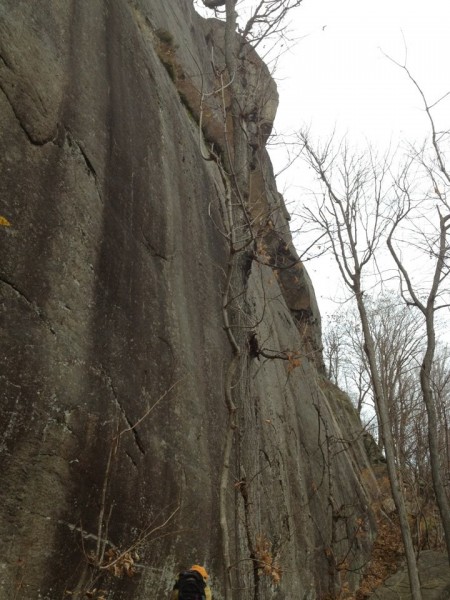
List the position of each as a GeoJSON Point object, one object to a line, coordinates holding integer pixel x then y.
{"type": "Point", "coordinates": [113, 348]}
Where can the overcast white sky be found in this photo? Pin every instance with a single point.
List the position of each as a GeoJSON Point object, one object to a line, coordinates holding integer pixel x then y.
{"type": "Point", "coordinates": [336, 76]}
{"type": "Point", "coordinates": [339, 74]}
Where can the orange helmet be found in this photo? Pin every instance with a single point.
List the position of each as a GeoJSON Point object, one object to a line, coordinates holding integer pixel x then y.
{"type": "Point", "coordinates": [200, 570]}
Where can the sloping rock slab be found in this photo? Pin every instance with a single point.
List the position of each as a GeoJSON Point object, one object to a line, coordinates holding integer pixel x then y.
{"type": "Point", "coordinates": [434, 572]}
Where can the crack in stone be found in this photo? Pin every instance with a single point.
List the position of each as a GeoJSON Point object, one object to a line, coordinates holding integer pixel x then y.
{"type": "Point", "coordinates": [84, 534]}
{"type": "Point", "coordinates": [152, 250]}
{"type": "Point", "coordinates": [32, 139]}
{"type": "Point", "coordinates": [54, 137]}
{"type": "Point", "coordinates": [133, 462]}
{"type": "Point", "coordinates": [32, 304]}
{"type": "Point", "coordinates": [73, 142]}
{"type": "Point", "coordinates": [7, 65]}
{"type": "Point", "coordinates": [18, 292]}
{"type": "Point", "coordinates": [136, 436]}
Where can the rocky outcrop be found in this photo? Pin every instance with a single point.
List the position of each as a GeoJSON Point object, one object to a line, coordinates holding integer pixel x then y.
{"type": "Point", "coordinates": [113, 348]}
{"type": "Point", "coordinates": [434, 573]}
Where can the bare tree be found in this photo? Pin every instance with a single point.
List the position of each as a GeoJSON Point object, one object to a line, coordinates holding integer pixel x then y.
{"type": "Point", "coordinates": [439, 248]}
{"type": "Point", "coordinates": [334, 343]}
{"type": "Point", "coordinates": [440, 376]}
{"type": "Point", "coordinates": [397, 336]}
{"type": "Point", "coordinates": [427, 204]}
{"type": "Point", "coordinates": [353, 212]}
{"type": "Point", "coordinates": [344, 357]}
{"type": "Point", "coordinates": [268, 20]}
{"type": "Point", "coordinates": [265, 20]}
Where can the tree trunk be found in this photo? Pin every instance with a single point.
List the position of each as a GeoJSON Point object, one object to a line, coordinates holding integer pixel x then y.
{"type": "Point", "coordinates": [386, 433]}
{"type": "Point", "coordinates": [433, 440]}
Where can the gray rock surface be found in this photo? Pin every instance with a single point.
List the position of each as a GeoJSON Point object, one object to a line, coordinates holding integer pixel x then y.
{"type": "Point", "coordinates": [434, 573]}
{"type": "Point", "coordinates": [113, 353]}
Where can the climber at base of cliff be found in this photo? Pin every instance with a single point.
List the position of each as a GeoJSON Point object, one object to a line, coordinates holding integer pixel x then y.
{"type": "Point", "coordinates": [191, 585]}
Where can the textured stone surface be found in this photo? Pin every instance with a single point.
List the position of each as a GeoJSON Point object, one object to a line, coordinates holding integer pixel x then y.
{"type": "Point", "coordinates": [111, 280]}
{"type": "Point", "coordinates": [434, 573]}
